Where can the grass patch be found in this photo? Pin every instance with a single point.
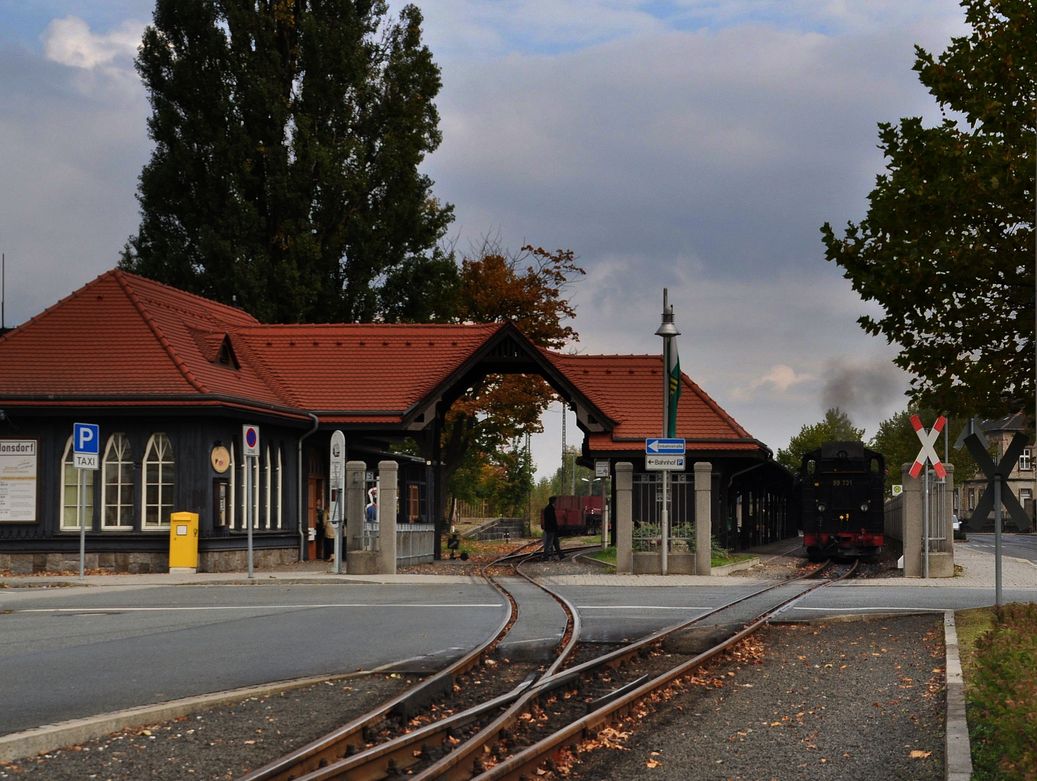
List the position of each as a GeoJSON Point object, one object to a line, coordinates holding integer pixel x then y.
{"type": "Point", "coordinates": [607, 555]}
{"type": "Point", "coordinates": [1001, 691]}
{"type": "Point", "coordinates": [723, 558]}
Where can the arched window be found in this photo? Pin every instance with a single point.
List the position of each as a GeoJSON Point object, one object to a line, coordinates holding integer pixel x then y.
{"type": "Point", "coordinates": [279, 491]}
{"type": "Point", "coordinates": [158, 467]}
{"type": "Point", "coordinates": [70, 492]}
{"type": "Point", "coordinates": [117, 479]}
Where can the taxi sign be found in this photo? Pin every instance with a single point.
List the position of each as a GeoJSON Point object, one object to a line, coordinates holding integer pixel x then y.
{"type": "Point", "coordinates": [86, 443]}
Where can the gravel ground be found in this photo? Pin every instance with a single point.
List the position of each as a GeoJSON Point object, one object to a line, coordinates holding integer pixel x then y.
{"type": "Point", "coordinates": [845, 700]}
{"type": "Point", "coordinates": [218, 743]}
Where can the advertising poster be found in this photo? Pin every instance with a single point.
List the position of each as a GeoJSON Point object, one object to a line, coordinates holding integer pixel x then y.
{"type": "Point", "coordinates": [17, 480]}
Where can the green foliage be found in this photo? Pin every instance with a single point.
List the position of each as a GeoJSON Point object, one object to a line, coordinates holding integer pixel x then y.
{"type": "Point", "coordinates": [836, 426]}
{"type": "Point", "coordinates": [946, 248]}
{"type": "Point", "coordinates": [1002, 698]}
{"type": "Point", "coordinates": [284, 175]}
{"type": "Point", "coordinates": [897, 441]}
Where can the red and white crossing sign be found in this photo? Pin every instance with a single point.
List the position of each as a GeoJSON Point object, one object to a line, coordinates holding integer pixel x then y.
{"type": "Point", "coordinates": [928, 452]}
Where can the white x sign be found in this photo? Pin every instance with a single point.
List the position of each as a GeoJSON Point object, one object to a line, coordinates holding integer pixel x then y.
{"type": "Point", "coordinates": [928, 453]}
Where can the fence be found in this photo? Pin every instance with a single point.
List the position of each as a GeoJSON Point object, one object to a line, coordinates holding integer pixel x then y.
{"type": "Point", "coordinates": [647, 512]}
{"type": "Point", "coordinates": [415, 542]}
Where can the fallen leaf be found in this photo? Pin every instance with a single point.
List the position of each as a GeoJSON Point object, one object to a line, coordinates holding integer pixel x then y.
{"type": "Point", "coordinates": [916, 754]}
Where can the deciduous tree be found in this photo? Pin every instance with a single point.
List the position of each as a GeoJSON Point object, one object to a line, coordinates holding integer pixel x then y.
{"type": "Point", "coordinates": [947, 247]}
{"type": "Point", "coordinates": [836, 426]}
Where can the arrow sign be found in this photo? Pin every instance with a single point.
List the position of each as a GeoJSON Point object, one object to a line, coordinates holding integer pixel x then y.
{"type": "Point", "coordinates": [928, 453]}
{"type": "Point", "coordinates": [660, 446]}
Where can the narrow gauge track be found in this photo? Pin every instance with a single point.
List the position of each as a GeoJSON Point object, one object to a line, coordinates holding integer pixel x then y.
{"type": "Point", "coordinates": [551, 736]}
{"type": "Point", "coordinates": [506, 747]}
{"type": "Point", "coordinates": [389, 723]}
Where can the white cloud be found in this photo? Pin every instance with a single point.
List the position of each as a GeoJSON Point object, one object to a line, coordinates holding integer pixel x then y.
{"type": "Point", "coordinates": [778, 379]}
{"type": "Point", "coordinates": [70, 41]}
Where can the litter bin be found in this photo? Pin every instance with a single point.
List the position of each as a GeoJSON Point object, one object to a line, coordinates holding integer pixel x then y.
{"type": "Point", "coordinates": [183, 542]}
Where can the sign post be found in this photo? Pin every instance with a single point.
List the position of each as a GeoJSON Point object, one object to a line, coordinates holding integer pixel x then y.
{"type": "Point", "coordinates": [86, 439]}
{"type": "Point", "coordinates": [250, 449]}
{"type": "Point", "coordinates": [997, 491]}
{"type": "Point", "coordinates": [926, 456]}
{"type": "Point", "coordinates": [338, 489]}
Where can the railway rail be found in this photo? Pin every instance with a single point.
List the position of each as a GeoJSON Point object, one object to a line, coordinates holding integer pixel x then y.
{"type": "Point", "coordinates": [512, 733]}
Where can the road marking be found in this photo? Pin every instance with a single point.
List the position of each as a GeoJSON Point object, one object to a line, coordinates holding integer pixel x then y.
{"type": "Point", "coordinates": [241, 607]}
{"type": "Point", "coordinates": [641, 607]}
{"type": "Point", "coordinates": [865, 609]}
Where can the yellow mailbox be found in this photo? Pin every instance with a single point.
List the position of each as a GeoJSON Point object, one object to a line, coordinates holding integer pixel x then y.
{"type": "Point", "coordinates": [183, 542]}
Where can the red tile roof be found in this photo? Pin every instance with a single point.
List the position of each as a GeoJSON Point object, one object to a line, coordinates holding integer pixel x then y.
{"type": "Point", "coordinates": [123, 339]}
{"type": "Point", "coordinates": [628, 388]}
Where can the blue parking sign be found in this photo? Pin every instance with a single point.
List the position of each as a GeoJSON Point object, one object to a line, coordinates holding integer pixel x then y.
{"type": "Point", "coordinates": [86, 445]}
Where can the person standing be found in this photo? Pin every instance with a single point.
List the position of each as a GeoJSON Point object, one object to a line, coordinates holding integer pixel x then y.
{"type": "Point", "coordinates": [549, 522]}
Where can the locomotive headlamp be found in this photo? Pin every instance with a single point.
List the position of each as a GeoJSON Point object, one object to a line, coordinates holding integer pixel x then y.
{"type": "Point", "coordinates": [821, 507]}
{"type": "Point", "coordinates": [865, 506]}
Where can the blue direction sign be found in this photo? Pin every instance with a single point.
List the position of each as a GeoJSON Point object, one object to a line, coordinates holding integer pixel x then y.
{"type": "Point", "coordinates": [86, 443]}
{"type": "Point", "coordinates": [661, 446]}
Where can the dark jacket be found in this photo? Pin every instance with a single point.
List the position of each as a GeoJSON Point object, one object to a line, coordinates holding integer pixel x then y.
{"type": "Point", "coordinates": [550, 522]}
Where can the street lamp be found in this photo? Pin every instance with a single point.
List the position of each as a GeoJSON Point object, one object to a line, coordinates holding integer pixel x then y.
{"type": "Point", "coordinates": [667, 330]}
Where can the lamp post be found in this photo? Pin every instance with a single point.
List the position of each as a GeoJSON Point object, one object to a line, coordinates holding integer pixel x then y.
{"type": "Point", "coordinates": [667, 330]}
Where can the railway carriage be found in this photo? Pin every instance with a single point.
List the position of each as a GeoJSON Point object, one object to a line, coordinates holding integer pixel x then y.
{"type": "Point", "coordinates": [840, 490]}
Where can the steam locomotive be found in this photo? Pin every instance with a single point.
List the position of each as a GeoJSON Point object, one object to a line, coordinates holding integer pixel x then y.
{"type": "Point", "coordinates": [840, 487]}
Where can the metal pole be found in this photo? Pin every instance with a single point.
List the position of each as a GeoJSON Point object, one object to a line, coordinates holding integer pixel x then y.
{"type": "Point", "coordinates": [338, 527]}
{"type": "Point", "coordinates": [925, 520]}
{"type": "Point", "coordinates": [997, 541]}
{"type": "Point", "coordinates": [82, 529]}
{"type": "Point", "coordinates": [248, 509]}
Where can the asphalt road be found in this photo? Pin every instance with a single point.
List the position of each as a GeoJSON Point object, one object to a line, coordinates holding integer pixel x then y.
{"type": "Point", "coordinates": [1021, 546]}
{"type": "Point", "coordinates": [73, 652]}
{"type": "Point", "coordinates": [68, 653]}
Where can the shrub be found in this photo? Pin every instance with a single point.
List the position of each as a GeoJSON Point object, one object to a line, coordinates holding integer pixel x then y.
{"type": "Point", "coordinates": [1002, 698]}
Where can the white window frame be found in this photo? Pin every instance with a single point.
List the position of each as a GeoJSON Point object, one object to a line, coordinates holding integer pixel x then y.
{"type": "Point", "coordinates": [122, 507]}
{"type": "Point", "coordinates": [148, 467]}
{"type": "Point", "coordinates": [67, 471]}
{"type": "Point", "coordinates": [279, 516]}
{"type": "Point", "coordinates": [232, 499]}
{"type": "Point", "coordinates": [1026, 460]}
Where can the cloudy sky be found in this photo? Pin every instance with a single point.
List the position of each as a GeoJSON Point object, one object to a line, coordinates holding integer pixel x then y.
{"type": "Point", "coordinates": [696, 145]}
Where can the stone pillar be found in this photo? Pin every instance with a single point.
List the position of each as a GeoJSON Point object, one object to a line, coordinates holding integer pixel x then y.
{"type": "Point", "coordinates": [703, 517]}
{"type": "Point", "coordinates": [624, 518]}
{"type": "Point", "coordinates": [355, 501]}
{"type": "Point", "coordinates": [387, 488]}
{"type": "Point", "coordinates": [912, 528]}
{"type": "Point", "coordinates": [941, 561]}
{"type": "Point", "coordinates": [358, 561]}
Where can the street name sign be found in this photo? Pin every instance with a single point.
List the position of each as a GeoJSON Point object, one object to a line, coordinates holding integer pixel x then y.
{"type": "Point", "coordinates": [664, 446]}
{"type": "Point", "coordinates": [664, 463]}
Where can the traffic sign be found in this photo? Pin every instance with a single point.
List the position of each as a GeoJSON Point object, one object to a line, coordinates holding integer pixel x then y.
{"type": "Point", "coordinates": [601, 468]}
{"type": "Point", "coordinates": [663, 446]}
{"type": "Point", "coordinates": [86, 444]}
{"type": "Point", "coordinates": [928, 453]}
{"type": "Point", "coordinates": [338, 460]}
{"type": "Point", "coordinates": [250, 440]}
{"type": "Point", "coordinates": [664, 463]}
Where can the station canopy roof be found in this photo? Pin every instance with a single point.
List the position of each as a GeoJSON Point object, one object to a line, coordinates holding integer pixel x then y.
{"type": "Point", "coordinates": [123, 340]}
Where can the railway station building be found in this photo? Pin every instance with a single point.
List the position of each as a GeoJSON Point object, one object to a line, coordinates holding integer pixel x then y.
{"type": "Point", "coordinates": [171, 378]}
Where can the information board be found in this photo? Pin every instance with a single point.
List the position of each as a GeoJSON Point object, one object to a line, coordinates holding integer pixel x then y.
{"type": "Point", "coordinates": [18, 480]}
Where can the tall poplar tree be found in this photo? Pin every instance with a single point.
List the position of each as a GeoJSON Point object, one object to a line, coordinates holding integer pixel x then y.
{"type": "Point", "coordinates": [288, 138]}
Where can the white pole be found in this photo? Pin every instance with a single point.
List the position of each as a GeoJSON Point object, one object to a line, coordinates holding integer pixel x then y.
{"type": "Point", "coordinates": [82, 529]}
{"type": "Point", "coordinates": [925, 518]}
{"type": "Point", "coordinates": [248, 509]}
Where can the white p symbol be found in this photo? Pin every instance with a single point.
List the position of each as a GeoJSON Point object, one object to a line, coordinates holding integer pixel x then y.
{"type": "Point", "coordinates": [86, 434]}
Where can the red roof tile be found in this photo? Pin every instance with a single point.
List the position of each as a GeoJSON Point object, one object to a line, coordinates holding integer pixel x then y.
{"type": "Point", "coordinates": [628, 388]}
